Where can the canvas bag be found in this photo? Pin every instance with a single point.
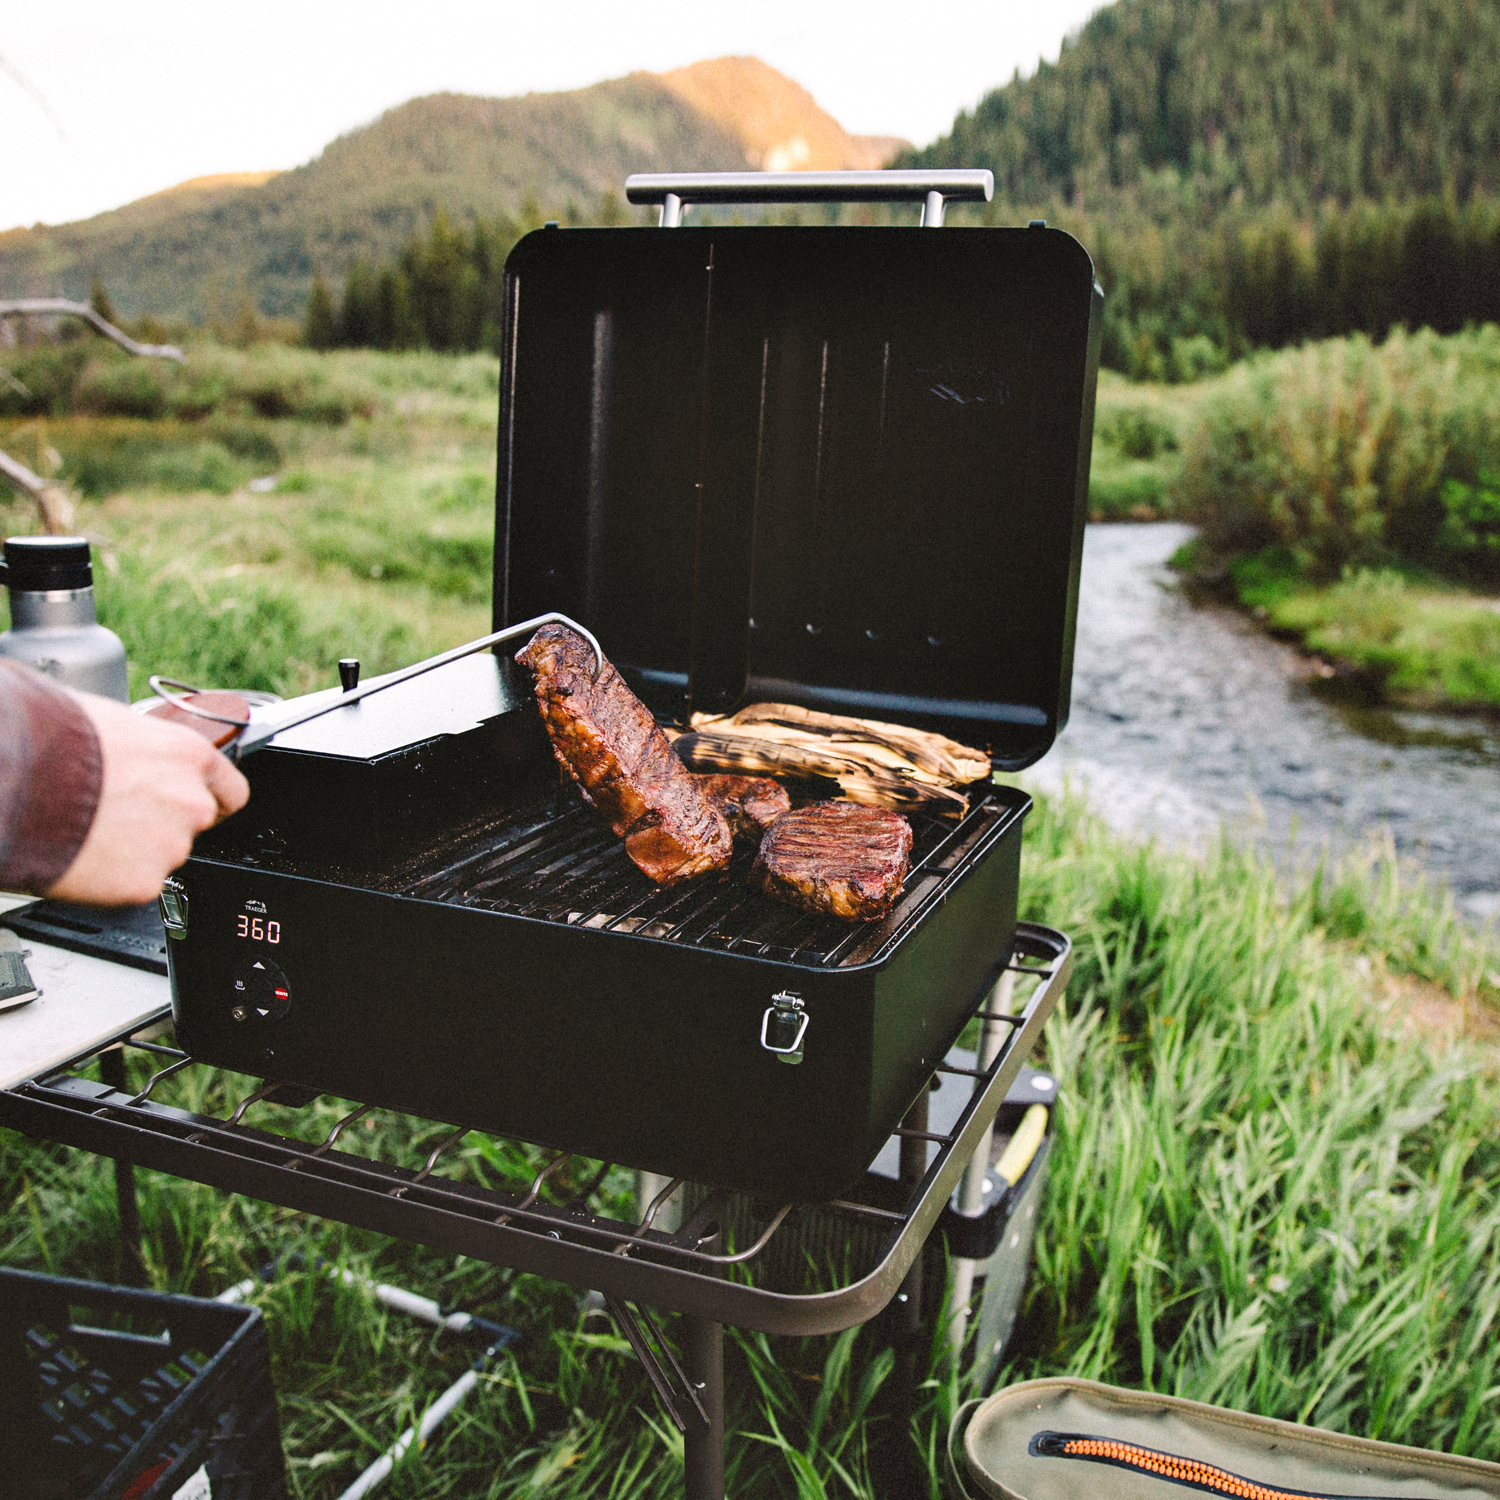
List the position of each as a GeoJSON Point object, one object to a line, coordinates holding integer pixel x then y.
{"type": "Point", "coordinates": [1000, 1449]}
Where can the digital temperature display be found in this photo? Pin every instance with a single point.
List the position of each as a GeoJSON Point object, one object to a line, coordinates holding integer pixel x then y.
{"type": "Point", "coordinates": [258, 929]}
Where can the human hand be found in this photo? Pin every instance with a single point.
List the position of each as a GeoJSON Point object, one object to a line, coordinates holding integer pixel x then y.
{"type": "Point", "coordinates": [162, 784]}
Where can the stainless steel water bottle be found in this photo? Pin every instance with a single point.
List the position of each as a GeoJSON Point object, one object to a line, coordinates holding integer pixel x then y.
{"type": "Point", "coordinates": [53, 626]}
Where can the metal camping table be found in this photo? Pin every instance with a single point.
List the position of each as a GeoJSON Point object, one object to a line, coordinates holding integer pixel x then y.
{"type": "Point", "coordinates": [719, 1267]}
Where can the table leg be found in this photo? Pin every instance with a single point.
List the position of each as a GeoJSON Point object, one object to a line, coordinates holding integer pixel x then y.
{"type": "Point", "coordinates": [112, 1071]}
{"type": "Point", "coordinates": [703, 1467]}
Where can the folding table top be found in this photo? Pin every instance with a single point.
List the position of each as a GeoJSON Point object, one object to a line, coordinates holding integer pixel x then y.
{"type": "Point", "coordinates": [84, 1002]}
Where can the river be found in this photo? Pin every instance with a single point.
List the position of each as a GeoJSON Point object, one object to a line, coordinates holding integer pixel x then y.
{"type": "Point", "coordinates": [1186, 717]}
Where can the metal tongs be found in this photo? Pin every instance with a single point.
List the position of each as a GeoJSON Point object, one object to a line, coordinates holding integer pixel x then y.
{"type": "Point", "coordinates": [248, 737]}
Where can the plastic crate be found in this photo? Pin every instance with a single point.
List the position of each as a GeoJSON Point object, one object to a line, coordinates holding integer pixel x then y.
{"type": "Point", "coordinates": [111, 1393]}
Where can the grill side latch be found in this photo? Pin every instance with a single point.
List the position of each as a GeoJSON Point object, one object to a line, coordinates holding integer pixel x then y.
{"type": "Point", "coordinates": [173, 905]}
{"type": "Point", "coordinates": [783, 1027]}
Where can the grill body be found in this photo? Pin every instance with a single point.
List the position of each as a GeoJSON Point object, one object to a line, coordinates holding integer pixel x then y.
{"type": "Point", "coordinates": [521, 976]}
{"type": "Point", "coordinates": [843, 469]}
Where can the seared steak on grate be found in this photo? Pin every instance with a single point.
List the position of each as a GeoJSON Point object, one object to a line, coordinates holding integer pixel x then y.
{"type": "Point", "coordinates": [835, 857]}
{"type": "Point", "coordinates": [750, 803]}
{"type": "Point", "coordinates": [607, 741]}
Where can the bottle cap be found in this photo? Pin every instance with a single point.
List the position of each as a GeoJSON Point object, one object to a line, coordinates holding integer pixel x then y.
{"type": "Point", "coordinates": [39, 564]}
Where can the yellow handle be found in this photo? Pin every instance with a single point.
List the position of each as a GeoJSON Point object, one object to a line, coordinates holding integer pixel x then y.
{"type": "Point", "coordinates": [1023, 1145]}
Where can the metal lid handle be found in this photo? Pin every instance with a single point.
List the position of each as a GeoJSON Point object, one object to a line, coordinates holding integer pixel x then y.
{"type": "Point", "coordinates": [675, 191]}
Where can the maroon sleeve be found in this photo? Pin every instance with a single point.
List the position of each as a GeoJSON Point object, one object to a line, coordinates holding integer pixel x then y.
{"type": "Point", "coordinates": [50, 773]}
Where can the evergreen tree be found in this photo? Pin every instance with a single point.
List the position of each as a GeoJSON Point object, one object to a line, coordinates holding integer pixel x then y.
{"type": "Point", "coordinates": [318, 328]}
{"type": "Point", "coordinates": [395, 327]}
{"type": "Point", "coordinates": [468, 308]}
{"type": "Point", "coordinates": [612, 212]}
{"type": "Point", "coordinates": [1261, 100]}
{"type": "Point", "coordinates": [1429, 288]}
{"type": "Point", "coordinates": [434, 268]}
{"type": "Point", "coordinates": [358, 313]}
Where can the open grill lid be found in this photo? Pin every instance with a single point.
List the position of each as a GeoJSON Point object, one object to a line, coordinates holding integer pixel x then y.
{"type": "Point", "coordinates": [846, 468]}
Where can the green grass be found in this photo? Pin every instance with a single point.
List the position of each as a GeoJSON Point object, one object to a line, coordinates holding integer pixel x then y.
{"type": "Point", "coordinates": [1429, 645]}
{"type": "Point", "coordinates": [1264, 1194]}
{"type": "Point", "coordinates": [1137, 441]}
{"type": "Point", "coordinates": [1404, 634]}
{"type": "Point", "coordinates": [1264, 1191]}
{"type": "Point", "coordinates": [375, 541]}
{"type": "Point", "coordinates": [566, 1407]}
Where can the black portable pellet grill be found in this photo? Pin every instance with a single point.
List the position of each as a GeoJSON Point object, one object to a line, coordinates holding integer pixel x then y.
{"type": "Point", "coordinates": [839, 467]}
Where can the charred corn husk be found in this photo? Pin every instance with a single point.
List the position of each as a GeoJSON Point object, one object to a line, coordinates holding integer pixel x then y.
{"type": "Point", "coordinates": [880, 765]}
{"type": "Point", "coordinates": [949, 762]}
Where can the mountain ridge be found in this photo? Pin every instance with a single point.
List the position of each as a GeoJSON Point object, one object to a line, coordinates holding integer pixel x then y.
{"type": "Point", "coordinates": [782, 127]}
{"type": "Point", "coordinates": [202, 248]}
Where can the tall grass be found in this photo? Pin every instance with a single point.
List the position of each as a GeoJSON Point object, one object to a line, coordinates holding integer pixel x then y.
{"type": "Point", "coordinates": [1264, 1193]}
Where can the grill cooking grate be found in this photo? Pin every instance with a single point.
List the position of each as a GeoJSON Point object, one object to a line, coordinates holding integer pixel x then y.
{"type": "Point", "coordinates": [558, 863]}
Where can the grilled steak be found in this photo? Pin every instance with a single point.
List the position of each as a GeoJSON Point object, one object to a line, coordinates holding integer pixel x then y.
{"type": "Point", "coordinates": [607, 741]}
{"type": "Point", "coordinates": [749, 803]}
{"type": "Point", "coordinates": [835, 857]}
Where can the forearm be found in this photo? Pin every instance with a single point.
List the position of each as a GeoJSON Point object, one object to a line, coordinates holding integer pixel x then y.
{"type": "Point", "coordinates": [51, 773]}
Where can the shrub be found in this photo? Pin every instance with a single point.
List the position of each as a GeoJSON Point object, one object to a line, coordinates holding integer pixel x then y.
{"type": "Point", "coordinates": [122, 388]}
{"type": "Point", "coordinates": [1470, 532]}
{"type": "Point", "coordinates": [1138, 432]}
{"type": "Point", "coordinates": [97, 379]}
{"type": "Point", "coordinates": [199, 466]}
{"type": "Point", "coordinates": [41, 380]}
{"type": "Point", "coordinates": [278, 383]}
{"type": "Point", "coordinates": [197, 392]}
{"type": "Point", "coordinates": [271, 398]}
{"type": "Point", "coordinates": [1194, 358]}
{"type": "Point", "coordinates": [1338, 451]}
{"type": "Point", "coordinates": [248, 440]}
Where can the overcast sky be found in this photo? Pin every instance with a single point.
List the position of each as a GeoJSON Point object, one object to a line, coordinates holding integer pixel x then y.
{"type": "Point", "coordinates": [102, 102]}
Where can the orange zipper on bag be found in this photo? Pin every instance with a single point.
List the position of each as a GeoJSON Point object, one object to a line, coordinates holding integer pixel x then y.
{"type": "Point", "coordinates": [1172, 1467]}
